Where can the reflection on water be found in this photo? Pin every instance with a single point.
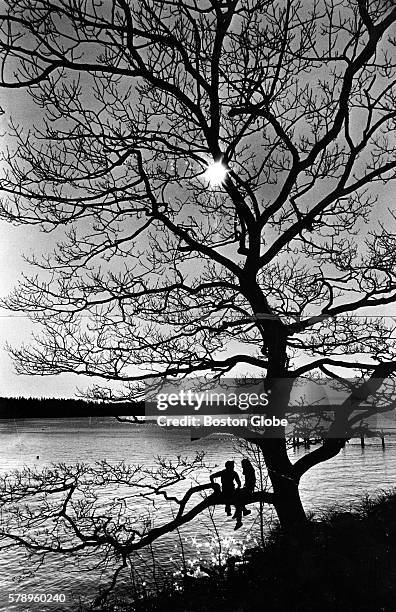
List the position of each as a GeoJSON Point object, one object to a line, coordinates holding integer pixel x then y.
{"type": "Point", "coordinates": [39, 443]}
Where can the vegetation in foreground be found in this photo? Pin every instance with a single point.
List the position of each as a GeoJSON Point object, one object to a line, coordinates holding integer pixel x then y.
{"type": "Point", "coordinates": [345, 562]}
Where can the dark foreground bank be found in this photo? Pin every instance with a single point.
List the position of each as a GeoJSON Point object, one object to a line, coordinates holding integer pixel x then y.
{"type": "Point", "coordinates": [345, 562]}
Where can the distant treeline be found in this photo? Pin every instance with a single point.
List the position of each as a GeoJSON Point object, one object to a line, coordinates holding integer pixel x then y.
{"type": "Point", "coordinates": [33, 407]}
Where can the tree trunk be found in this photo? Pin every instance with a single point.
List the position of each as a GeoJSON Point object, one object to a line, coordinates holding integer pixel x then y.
{"type": "Point", "coordinates": [278, 385]}
{"type": "Point", "coordinates": [288, 506]}
{"type": "Point", "coordinates": [285, 484]}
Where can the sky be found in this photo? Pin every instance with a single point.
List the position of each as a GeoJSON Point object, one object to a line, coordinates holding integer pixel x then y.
{"type": "Point", "coordinates": [16, 328]}
{"type": "Point", "coordinates": [16, 241]}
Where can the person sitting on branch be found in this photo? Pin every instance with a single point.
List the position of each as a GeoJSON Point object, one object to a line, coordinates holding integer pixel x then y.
{"type": "Point", "coordinates": [248, 487]}
{"type": "Point", "coordinates": [227, 476]}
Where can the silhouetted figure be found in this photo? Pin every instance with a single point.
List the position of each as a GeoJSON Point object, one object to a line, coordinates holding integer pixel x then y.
{"type": "Point", "coordinates": [227, 477]}
{"type": "Point", "coordinates": [248, 487]}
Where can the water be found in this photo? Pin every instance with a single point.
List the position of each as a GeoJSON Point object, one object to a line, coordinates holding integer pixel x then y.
{"type": "Point", "coordinates": [40, 443]}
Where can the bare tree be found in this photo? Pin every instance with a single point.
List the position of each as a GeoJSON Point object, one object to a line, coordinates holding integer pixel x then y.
{"type": "Point", "coordinates": [161, 274]}
{"type": "Point", "coordinates": [61, 511]}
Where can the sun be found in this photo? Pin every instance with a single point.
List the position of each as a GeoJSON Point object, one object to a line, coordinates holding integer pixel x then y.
{"type": "Point", "coordinates": [216, 173]}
